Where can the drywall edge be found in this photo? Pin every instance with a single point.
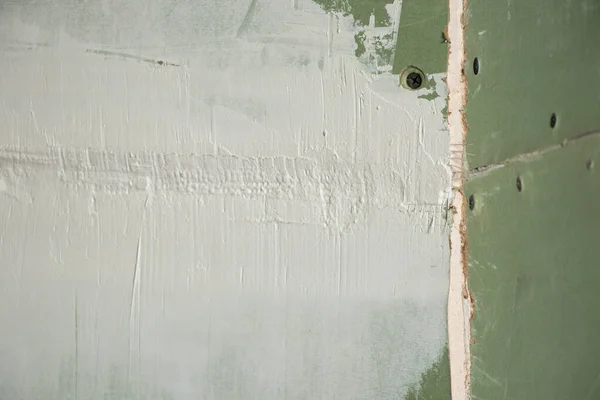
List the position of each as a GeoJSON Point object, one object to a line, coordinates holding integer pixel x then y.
{"type": "Point", "coordinates": [459, 298]}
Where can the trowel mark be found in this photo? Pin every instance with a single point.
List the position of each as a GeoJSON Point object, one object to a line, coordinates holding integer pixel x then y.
{"type": "Point", "coordinates": [131, 57]}
{"type": "Point", "coordinates": [247, 19]}
{"type": "Point", "coordinates": [344, 191]}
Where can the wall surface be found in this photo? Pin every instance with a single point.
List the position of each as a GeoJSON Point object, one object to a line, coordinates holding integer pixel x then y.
{"type": "Point", "coordinates": [217, 200]}
{"type": "Point", "coordinates": [533, 149]}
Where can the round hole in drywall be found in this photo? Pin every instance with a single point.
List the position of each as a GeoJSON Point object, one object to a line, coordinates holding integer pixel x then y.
{"type": "Point", "coordinates": [476, 66]}
{"type": "Point", "coordinates": [553, 120]}
{"type": "Point", "coordinates": [519, 184]}
{"type": "Point", "coordinates": [472, 202]}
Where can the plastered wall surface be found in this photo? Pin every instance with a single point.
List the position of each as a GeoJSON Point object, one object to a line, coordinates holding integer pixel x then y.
{"type": "Point", "coordinates": [215, 200]}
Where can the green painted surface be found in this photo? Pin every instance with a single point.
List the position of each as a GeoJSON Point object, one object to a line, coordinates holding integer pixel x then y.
{"type": "Point", "coordinates": [533, 254]}
{"type": "Point", "coordinates": [421, 40]}
{"type": "Point", "coordinates": [536, 58]}
{"type": "Point", "coordinates": [373, 46]}
{"type": "Point", "coordinates": [360, 10]}
{"type": "Point", "coordinates": [435, 382]}
{"type": "Point", "coordinates": [534, 274]}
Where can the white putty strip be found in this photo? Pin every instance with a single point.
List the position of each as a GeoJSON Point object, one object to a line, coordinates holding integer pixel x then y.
{"type": "Point", "coordinates": [459, 298]}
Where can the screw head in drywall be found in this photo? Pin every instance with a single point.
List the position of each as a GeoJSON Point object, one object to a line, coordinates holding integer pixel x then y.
{"type": "Point", "coordinates": [412, 78]}
{"type": "Point", "coordinates": [519, 184]}
{"type": "Point", "coordinates": [471, 202]}
{"type": "Point", "coordinates": [553, 120]}
{"type": "Point", "coordinates": [476, 66]}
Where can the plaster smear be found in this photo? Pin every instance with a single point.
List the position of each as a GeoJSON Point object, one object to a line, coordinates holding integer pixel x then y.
{"type": "Point", "coordinates": [460, 301]}
{"type": "Point", "coordinates": [215, 201]}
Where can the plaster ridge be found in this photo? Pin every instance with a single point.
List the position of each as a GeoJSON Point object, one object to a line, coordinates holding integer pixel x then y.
{"type": "Point", "coordinates": [460, 303]}
{"type": "Point", "coordinates": [340, 193]}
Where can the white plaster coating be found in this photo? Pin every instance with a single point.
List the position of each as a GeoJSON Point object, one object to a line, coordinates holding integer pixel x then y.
{"type": "Point", "coordinates": [208, 201]}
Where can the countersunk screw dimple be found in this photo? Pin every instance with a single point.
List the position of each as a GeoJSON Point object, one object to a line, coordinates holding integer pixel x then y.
{"type": "Point", "coordinates": [476, 66]}
{"type": "Point", "coordinates": [553, 120]}
{"type": "Point", "coordinates": [471, 202]}
{"type": "Point", "coordinates": [414, 80]}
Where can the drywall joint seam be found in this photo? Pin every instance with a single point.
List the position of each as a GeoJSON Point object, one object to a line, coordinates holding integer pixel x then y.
{"type": "Point", "coordinates": [460, 304]}
{"type": "Point", "coordinates": [532, 155]}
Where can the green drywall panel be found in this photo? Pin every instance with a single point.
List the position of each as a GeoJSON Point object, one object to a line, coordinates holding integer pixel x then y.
{"type": "Point", "coordinates": [421, 41]}
{"type": "Point", "coordinates": [534, 273]}
{"type": "Point", "coordinates": [535, 58]}
{"type": "Point", "coordinates": [373, 46]}
{"type": "Point", "coordinates": [361, 10]}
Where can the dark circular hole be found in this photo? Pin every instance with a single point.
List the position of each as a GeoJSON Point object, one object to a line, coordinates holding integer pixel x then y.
{"type": "Point", "coordinates": [414, 80]}
{"type": "Point", "coordinates": [471, 202]}
{"type": "Point", "coordinates": [476, 66]}
{"type": "Point", "coordinates": [553, 120]}
{"type": "Point", "coordinates": [519, 184]}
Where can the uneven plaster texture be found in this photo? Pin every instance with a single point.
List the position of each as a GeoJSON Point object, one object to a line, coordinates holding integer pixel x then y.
{"type": "Point", "coordinates": [214, 200]}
